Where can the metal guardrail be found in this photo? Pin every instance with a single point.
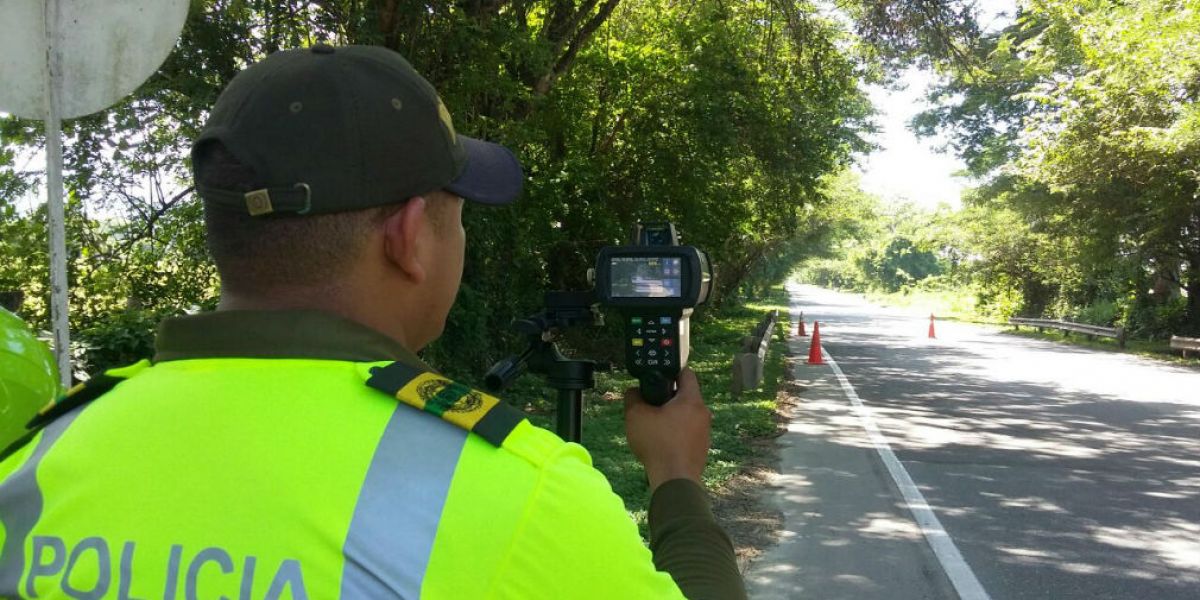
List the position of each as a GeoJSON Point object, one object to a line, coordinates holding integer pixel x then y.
{"type": "Point", "coordinates": [1092, 331]}
{"type": "Point", "coordinates": [748, 364]}
{"type": "Point", "coordinates": [1185, 344]}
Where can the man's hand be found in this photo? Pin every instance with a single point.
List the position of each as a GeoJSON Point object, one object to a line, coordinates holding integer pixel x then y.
{"type": "Point", "coordinates": [671, 440]}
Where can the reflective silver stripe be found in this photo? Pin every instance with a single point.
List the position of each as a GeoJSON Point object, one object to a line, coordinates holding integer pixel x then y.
{"type": "Point", "coordinates": [395, 521]}
{"type": "Point", "coordinates": [21, 506]}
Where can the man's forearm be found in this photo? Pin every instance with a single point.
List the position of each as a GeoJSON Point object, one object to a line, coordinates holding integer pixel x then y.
{"type": "Point", "coordinates": [689, 545]}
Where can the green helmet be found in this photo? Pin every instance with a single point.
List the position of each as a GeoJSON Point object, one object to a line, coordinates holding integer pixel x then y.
{"type": "Point", "coordinates": [28, 377]}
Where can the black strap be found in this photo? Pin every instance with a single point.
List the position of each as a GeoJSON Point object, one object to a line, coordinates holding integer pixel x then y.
{"type": "Point", "coordinates": [500, 421]}
{"type": "Point", "coordinates": [392, 378]}
{"type": "Point", "coordinates": [295, 200]}
{"type": "Point", "coordinates": [78, 396]}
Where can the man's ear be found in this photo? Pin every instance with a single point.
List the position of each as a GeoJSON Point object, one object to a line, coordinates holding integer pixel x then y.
{"type": "Point", "coordinates": [401, 237]}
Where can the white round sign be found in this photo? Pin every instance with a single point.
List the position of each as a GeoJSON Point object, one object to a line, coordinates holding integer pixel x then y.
{"type": "Point", "coordinates": [102, 50]}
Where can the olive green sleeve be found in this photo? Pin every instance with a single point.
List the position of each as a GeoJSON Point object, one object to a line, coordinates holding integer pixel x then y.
{"type": "Point", "coordinates": [688, 543]}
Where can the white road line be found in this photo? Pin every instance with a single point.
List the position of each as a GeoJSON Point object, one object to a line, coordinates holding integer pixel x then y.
{"type": "Point", "coordinates": [957, 570]}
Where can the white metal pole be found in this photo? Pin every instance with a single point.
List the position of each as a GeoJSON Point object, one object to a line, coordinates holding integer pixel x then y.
{"type": "Point", "coordinates": [54, 190]}
{"type": "Point", "coordinates": [58, 249]}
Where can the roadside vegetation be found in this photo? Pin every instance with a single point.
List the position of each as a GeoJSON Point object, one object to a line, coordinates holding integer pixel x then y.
{"type": "Point", "coordinates": [728, 118]}
{"type": "Point", "coordinates": [723, 117]}
{"type": "Point", "coordinates": [1080, 124]}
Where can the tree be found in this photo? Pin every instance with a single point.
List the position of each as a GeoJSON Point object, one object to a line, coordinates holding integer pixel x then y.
{"type": "Point", "coordinates": [721, 116]}
{"type": "Point", "coordinates": [1092, 107]}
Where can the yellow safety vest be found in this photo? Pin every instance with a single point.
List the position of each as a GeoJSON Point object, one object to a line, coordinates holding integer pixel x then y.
{"type": "Point", "coordinates": [290, 478]}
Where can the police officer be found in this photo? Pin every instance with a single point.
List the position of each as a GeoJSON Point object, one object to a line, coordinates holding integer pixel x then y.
{"type": "Point", "coordinates": [28, 377]}
{"type": "Point", "coordinates": [292, 444]}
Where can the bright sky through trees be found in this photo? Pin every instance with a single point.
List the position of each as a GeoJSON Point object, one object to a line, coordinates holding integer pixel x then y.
{"type": "Point", "coordinates": [905, 168]}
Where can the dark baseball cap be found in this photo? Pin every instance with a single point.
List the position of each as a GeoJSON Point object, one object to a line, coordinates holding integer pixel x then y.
{"type": "Point", "coordinates": [330, 129]}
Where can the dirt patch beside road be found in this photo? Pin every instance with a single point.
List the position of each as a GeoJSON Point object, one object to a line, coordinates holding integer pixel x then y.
{"type": "Point", "coordinates": [739, 504]}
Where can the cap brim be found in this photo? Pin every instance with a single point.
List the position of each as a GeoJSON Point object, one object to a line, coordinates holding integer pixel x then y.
{"type": "Point", "coordinates": [492, 175]}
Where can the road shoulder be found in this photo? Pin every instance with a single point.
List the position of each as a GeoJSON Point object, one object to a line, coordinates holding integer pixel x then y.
{"type": "Point", "coordinates": [845, 531]}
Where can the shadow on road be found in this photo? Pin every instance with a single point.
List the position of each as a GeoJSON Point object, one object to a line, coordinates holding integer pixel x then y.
{"type": "Point", "coordinates": [1052, 491]}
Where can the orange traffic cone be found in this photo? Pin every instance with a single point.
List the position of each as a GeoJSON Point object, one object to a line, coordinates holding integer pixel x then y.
{"type": "Point", "coordinates": [814, 350]}
{"type": "Point", "coordinates": [932, 334]}
{"type": "Point", "coordinates": [800, 327]}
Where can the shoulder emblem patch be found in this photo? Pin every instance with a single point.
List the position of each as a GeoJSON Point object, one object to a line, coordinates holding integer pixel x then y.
{"type": "Point", "coordinates": [470, 409]}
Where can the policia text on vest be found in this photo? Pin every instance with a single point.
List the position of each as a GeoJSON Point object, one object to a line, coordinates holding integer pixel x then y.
{"type": "Point", "coordinates": [116, 567]}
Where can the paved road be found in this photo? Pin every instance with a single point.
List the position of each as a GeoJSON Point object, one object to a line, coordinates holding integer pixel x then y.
{"type": "Point", "coordinates": [1057, 472]}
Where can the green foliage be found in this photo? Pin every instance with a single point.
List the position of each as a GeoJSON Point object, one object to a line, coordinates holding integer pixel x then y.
{"type": "Point", "coordinates": [900, 264]}
{"type": "Point", "coordinates": [902, 31]}
{"type": "Point", "coordinates": [890, 249]}
{"type": "Point", "coordinates": [723, 117]}
{"type": "Point", "coordinates": [1160, 321]}
{"type": "Point", "coordinates": [1084, 117]}
{"type": "Point", "coordinates": [124, 338]}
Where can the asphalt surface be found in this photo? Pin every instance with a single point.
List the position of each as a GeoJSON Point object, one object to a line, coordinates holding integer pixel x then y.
{"type": "Point", "coordinates": [1057, 472]}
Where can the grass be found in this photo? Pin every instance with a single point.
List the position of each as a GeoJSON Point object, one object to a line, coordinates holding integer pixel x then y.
{"type": "Point", "coordinates": [1155, 349]}
{"type": "Point", "coordinates": [737, 422]}
{"type": "Point", "coordinates": [952, 304]}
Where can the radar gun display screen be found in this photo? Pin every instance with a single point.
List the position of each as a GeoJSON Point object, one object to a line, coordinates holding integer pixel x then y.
{"type": "Point", "coordinates": [646, 277]}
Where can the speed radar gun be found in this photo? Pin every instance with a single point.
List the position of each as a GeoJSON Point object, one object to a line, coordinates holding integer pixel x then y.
{"type": "Point", "coordinates": [654, 284]}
